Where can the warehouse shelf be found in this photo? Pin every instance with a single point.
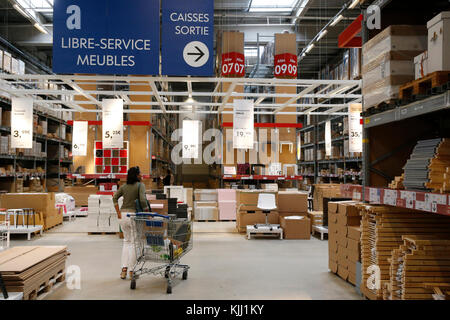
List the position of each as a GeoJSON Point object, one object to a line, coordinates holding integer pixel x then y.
{"type": "Point", "coordinates": [308, 145]}
{"type": "Point", "coordinates": [306, 163]}
{"type": "Point", "coordinates": [306, 128]}
{"type": "Point", "coordinates": [432, 104]}
{"type": "Point", "coordinates": [101, 176]}
{"type": "Point", "coordinates": [261, 177]}
{"type": "Point", "coordinates": [418, 200]}
{"type": "Point", "coordinates": [12, 157]}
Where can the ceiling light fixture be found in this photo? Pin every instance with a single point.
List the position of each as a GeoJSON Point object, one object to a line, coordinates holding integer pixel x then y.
{"type": "Point", "coordinates": [336, 20]}
{"type": "Point", "coordinates": [354, 3]}
{"type": "Point", "coordinates": [322, 34]}
{"type": "Point", "coordinates": [40, 28]}
{"type": "Point", "coordinates": [21, 11]}
{"type": "Point", "coordinates": [310, 47]}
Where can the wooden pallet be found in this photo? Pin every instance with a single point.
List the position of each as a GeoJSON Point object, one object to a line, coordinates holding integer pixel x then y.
{"type": "Point", "coordinates": [56, 225]}
{"type": "Point", "coordinates": [425, 85]}
{"type": "Point", "coordinates": [46, 286]}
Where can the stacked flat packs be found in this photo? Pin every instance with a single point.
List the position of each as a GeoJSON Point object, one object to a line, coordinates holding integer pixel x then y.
{"type": "Point", "coordinates": [227, 204]}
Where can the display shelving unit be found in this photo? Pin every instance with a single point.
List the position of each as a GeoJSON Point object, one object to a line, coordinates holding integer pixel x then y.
{"type": "Point", "coordinates": [32, 162]}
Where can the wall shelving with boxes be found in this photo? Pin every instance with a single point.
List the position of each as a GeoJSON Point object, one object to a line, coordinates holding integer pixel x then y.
{"type": "Point", "coordinates": [47, 164]}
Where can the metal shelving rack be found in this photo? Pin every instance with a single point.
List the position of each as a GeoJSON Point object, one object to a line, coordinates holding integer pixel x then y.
{"type": "Point", "coordinates": [35, 159]}
{"type": "Point", "coordinates": [317, 163]}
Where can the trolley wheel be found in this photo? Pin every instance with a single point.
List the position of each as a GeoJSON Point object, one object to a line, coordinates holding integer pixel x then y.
{"type": "Point", "coordinates": [133, 284]}
{"type": "Point", "coordinates": [185, 274]}
{"type": "Point", "coordinates": [169, 289]}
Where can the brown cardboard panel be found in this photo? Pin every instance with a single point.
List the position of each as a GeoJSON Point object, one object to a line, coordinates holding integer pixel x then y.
{"type": "Point", "coordinates": [354, 256]}
{"type": "Point", "coordinates": [348, 221]}
{"type": "Point", "coordinates": [342, 272]}
{"type": "Point", "coordinates": [354, 232]}
{"type": "Point", "coordinates": [18, 259]}
{"type": "Point", "coordinates": [333, 266]}
{"type": "Point", "coordinates": [245, 219]}
{"type": "Point", "coordinates": [296, 229]}
{"type": "Point", "coordinates": [296, 202]}
{"type": "Point", "coordinates": [342, 230]}
{"type": "Point", "coordinates": [43, 202]}
{"type": "Point", "coordinates": [232, 41]}
{"type": "Point", "coordinates": [348, 208]}
{"type": "Point", "coordinates": [342, 240]}
{"type": "Point", "coordinates": [332, 218]}
{"type": "Point", "coordinates": [352, 278]}
{"type": "Point", "coordinates": [353, 245]}
{"type": "Point", "coordinates": [332, 207]}
{"type": "Point", "coordinates": [285, 43]}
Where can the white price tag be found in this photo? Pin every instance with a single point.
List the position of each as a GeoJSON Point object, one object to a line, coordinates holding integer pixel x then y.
{"type": "Point", "coordinates": [390, 197]}
{"type": "Point", "coordinates": [243, 124]}
{"type": "Point", "coordinates": [355, 127]}
{"type": "Point", "coordinates": [328, 138]}
{"type": "Point", "coordinates": [22, 123]}
{"type": "Point", "coordinates": [410, 198]}
{"type": "Point", "coordinates": [191, 139]}
{"type": "Point", "coordinates": [112, 123]}
{"type": "Point", "coordinates": [79, 138]}
{"type": "Point", "coordinates": [374, 195]}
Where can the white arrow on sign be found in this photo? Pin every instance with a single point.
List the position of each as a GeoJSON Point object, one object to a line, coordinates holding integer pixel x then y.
{"type": "Point", "coordinates": [196, 54]}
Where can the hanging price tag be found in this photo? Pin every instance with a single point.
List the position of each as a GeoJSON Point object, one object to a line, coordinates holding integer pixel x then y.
{"type": "Point", "coordinates": [112, 123]}
{"type": "Point", "coordinates": [191, 138]}
{"type": "Point", "coordinates": [22, 123]}
{"type": "Point", "coordinates": [79, 139]}
{"type": "Point", "coordinates": [243, 124]}
{"type": "Point", "coordinates": [285, 65]}
{"type": "Point", "coordinates": [328, 138]}
{"type": "Point", "coordinates": [355, 127]}
{"type": "Point", "coordinates": [233, 64]}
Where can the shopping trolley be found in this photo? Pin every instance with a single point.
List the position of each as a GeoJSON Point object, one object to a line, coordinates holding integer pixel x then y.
{"type": "Point", "coordinates": [161, 240]}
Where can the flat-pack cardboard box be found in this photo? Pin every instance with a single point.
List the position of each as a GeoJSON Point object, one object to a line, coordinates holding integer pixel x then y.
{"type": "Point", "coordinates": [342, 241]}
{"type": "Point", "coordinates": [43, 202]}
{"type": "Point", "coordinates": [342, 272]}
{"type": "Point", "coordinates": [348, 208]}
{"type": "Point", "coordinates": [351, 278]}
{"type": "Point", "coordinates": [296, 227]}
{"type": "Point", "coordinates": [81, 194]}
{"type": "Point", "coordinates": [333, 266]}
{"type": "Point", "coordinates": [353, 255]}
{"type": "Point", "coordinates": [249, 198]}
{"type": "Point", "coordinates": [243, 219]}
{"type": "Point", "coordinates": [354, 232]}
{"type": "Point", "coordinates": [333, 207]}
{"type": "Point", "coordinates": [292, 201]}
{"type": "Point", "coordinates": [6, 118]}
{"type": "Point", "coordinates": [348, 221]}
{"type": "Point", "coordinates": [332, 218]}
{"type": "Point", "coordinates": [353, 245]}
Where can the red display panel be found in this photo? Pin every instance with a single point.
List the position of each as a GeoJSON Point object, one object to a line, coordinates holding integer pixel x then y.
{"type": "Point", "coordinates": [285, 65]}
{"type": "Point", "coordinates": [233, 64]}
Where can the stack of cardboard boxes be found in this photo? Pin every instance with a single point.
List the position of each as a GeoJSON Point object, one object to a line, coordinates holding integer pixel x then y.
{"type": "Point", "coordinates": [248, 212]}
{"type": "Point", "coordinates": [326, 190]}
{"type": "Point", "coordinates": [40, 202]}
{"type": "Point", "coordinates": [344, 239]}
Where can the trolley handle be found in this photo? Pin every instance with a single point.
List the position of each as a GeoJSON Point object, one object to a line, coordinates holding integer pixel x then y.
{"type": "Point", "coordinates": [145, 214]}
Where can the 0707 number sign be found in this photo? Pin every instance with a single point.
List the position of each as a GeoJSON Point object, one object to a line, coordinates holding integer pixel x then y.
{"type": "Point", "coordinates": [233, 64]}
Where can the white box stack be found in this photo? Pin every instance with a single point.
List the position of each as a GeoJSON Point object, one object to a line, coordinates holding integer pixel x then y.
{"type": "Point", "coordinates": [439, 42]}
{"type": "Point", "coordinates": [205, 204]}
{"type": "Point", "coordinates": [421, 65]}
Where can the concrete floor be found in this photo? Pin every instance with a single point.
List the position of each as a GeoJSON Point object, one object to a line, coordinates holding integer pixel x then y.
{"type": "Point", "coordinates": [223, 266]}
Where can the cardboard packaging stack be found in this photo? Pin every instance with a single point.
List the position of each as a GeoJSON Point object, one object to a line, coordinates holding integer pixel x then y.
{"type": "Point", "coordinates": [248, 212]}
{"type": "Point", "coordinates": [343, 247]}
{"type": "Point", "coordinates": [93, 205]}
{"type": "Point", "coordinates": [292, 203]}
{"type": "Point", "coordinates": [158, 206]}
{"type": "Point", "coordinates": [81, 194]}
{"type": "Point", "coordinates": [296, 227]}
{"type": "Point", "coordinates": [227, 204]}
{"type": "Point", "coordinates": [388, 62]}
{"type": "Point", "coordinates": [321, 191]}
{"type": "Point", "coordinates": [26, 269]}
{"type": "Point", "coordinates": [205, 205]}
{"type": "Point", "coordinates": [40, 202]}
{"type": "Point", "coordinates": [382, 229]}
{"type": "Point", "coordinates": [316, 218]}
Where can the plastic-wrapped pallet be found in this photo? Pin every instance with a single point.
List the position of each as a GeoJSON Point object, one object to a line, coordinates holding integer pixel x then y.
{"type": "Point", "coordinates": [388, 62]}
{"type": "Point", "coordinates": [65, 199]}
{"type": "Point", "coordinates": [205, 195]}
{"type": "Point", "coordinates": [93, 204]}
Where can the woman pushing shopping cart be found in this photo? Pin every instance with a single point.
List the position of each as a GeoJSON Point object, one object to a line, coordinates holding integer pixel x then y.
{"type": "Point", "coordinates": [160, 242]}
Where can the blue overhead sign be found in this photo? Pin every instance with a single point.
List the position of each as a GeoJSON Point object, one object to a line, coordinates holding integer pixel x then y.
{"type": "Point", "coordinates": [187, 37]}
{"type": "Point", "coordinates": [106, 36]}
